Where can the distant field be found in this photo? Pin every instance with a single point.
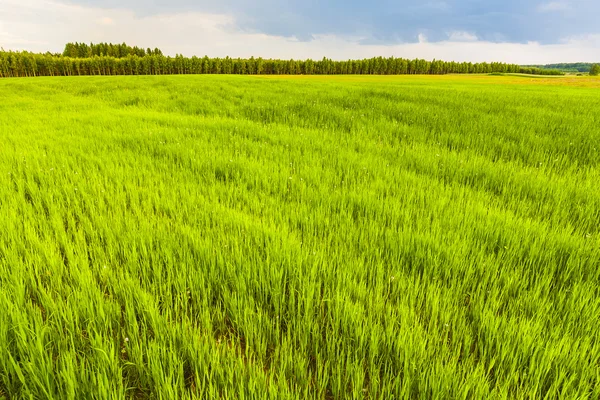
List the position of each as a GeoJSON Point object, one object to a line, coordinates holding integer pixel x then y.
{"type": "Point", "coordinates": [484, 79]}
{"type": "Point", "coordinates": [300, 237]}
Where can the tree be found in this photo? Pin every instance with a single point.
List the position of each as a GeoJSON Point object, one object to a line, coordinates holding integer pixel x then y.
{"type": "Point", "coordinates": [120, 59]}
{"type": "Point", "coordinates": [595, 71]}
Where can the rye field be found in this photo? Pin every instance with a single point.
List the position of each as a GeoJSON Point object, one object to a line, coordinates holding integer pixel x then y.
{"type": "Point", "coordinates": [231, 237]}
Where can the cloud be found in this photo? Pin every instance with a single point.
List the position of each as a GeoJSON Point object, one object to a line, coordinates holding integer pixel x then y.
{"type": "Point", "coordinates": [391, 21]}
{"type": "Point", "coordinates": [106, 21]}
{"type": "Point", "coordinates": [554, 6]}
{"type": "Point", "coordinates": [42, 25]}
{"type": "Point", "coordinates": [458, 36]}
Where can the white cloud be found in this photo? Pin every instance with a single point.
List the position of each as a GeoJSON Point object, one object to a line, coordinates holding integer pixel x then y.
{"type": "Point", "coordinates": [106, 21]}
{"type": "Point", "coordinates": [42, 25]}
{"type": "Point", "coordinates": [459, 36]}
{"type": "Point", "coordinates": [554, 6]}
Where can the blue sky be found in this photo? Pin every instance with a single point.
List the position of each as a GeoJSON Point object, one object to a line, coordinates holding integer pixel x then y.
{"type": "Point", "coordinates": [515, 31]}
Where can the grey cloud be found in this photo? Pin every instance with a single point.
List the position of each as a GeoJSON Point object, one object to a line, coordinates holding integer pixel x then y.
{"type": "Point", "coordinates": [386, 21]}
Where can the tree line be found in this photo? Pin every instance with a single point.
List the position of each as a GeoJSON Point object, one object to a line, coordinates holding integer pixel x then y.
{"type": "Point", "coordinates": [27, 64]}
{"type": "Point", "coordinates": [566, 67]}
{"type": "Point", "coordinates": [83, 50]}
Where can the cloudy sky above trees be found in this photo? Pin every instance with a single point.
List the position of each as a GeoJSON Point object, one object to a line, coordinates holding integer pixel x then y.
{"type": "Point", "coordinates": [525, 31]}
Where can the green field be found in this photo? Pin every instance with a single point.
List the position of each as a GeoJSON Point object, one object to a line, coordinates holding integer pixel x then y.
{"type": "Point", "coordinates": [302, 237]}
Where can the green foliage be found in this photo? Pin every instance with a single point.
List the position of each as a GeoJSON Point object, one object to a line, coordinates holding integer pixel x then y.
{"type": "Point", "coordinates": [540, 71]}
{"type": "Point", "coordinates": [595, 70]}
{"type": "Point", "coordinates": [316, 237]}
{"type": "Point", "coordinates": [566, 67]}
{"type": "Point", "coordinates": [81, 59]}
{"type": "Point", "coordinates": [82, 50]}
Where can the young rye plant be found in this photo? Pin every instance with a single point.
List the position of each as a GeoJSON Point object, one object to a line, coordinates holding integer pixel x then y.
{"type": "Point", "coordinates": [291, 238]}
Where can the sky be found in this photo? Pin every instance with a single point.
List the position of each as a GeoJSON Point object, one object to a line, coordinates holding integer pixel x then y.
{"type": "Point", "coordinates": [522, 32]}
